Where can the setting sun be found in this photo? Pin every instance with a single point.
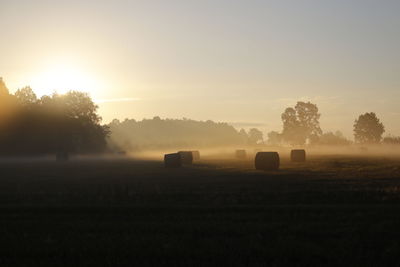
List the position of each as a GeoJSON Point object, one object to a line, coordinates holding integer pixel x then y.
{"type": "Point", "coordinates": [63, 78]}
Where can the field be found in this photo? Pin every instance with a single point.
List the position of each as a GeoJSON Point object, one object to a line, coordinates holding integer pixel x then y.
{"type": "Point", "coordinates": [331, 210]}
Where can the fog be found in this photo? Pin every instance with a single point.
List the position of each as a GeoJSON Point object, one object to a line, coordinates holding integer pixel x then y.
{"type": "Point", "coordinates": [68, 127]}
{"type": "Point", "coordinates": [228, 152]}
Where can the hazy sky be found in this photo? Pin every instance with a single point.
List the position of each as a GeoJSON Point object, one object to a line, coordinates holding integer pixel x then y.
{"type": "Point", "coordinates": [225, 60]}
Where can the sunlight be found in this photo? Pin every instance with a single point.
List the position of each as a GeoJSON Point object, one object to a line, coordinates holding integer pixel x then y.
{"type": "Point", "coordinates": [64, 78]}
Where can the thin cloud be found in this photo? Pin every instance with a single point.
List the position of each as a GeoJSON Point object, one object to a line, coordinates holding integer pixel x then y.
{"type": "Point", "coordinates": [247, 124]}
{"type": "Point", "coordinates": [113, 100]}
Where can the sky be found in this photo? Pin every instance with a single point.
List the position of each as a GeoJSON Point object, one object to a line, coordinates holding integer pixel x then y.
{"type": "Point", "coordinates": [241, 62]}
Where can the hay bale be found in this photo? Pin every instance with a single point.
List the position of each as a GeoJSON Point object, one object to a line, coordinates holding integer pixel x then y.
{"type": "Point", "coordinates": [173, 160]}
{"type": "Point", "coordinates": [240, 154]}
{"type": "Point", "coordinates": [186, 157]}
{"type": "Point", "coordinates": [196, 155]}
{"type": "Point", "coordinates": [298, 155]}
{"type": "Point", "coordinates": [267, 161]}
{"type": "Point", "coordinates": [62, 156]}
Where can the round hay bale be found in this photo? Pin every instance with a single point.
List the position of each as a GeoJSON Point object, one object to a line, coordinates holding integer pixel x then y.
{"type": "Point", "coordinates": [267, 161]}
{"type": "Point", "coordinates": [186, 157]}
{"type": "Point", "coordinates": [240, 154]}
{"type": "Point", "coordinates": [62, 156]}
{"type": "Point", "coordinates": [298, 155]}
{"type": "Point", "coordinates": [172, 160]}
{"type": "Point", "coordinates": [196, 155]}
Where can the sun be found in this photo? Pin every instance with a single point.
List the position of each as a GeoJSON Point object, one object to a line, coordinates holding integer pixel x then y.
{"type": "Point", "coordinates": [61, 78]}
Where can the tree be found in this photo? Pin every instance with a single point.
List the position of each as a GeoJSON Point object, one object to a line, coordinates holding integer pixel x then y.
{"type": "Point", "coordinates": [308, 117]}
{"type": "Point", "coordinates": [292, 132]}
{"type": "Point", "coordinates": [8, 105]}
{"type": "Point", "coordinates": [80, 127]}
{"type": "Point", "coordinates": [301, 123]}
{"type": "Point", "coordinates": [26, 96]}
{"type": "Point", "coordinates": [3, 88]}
{"type": "Point", "coordinates": [368, 128]}
{"type": "Point", "coordinates": [80, 106]}
{"type": "Point", "coordinates": [255, 136]}
{"type": "Point", "coordinates": [58, 122]}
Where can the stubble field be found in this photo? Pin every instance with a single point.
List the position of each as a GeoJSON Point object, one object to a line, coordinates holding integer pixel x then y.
{"type": "Point", "coordinates": [331, 210]}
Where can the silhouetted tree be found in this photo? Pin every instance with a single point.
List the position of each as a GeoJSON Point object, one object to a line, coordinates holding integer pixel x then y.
{"type": "Point", "coordinates": [8, 106]}
{"type": "Point", "coordinates": [368, 128]}
{"type": "Point", "coordinates": [3, 88]}
{"type": "Point", "coordinates": [81, 128]}
{"type": "Point", "coordinates": [58, 122]}
{"type": "Point", "coordinates": [26, 96]}
{"type": "Point", "coordinates": [301, 123]}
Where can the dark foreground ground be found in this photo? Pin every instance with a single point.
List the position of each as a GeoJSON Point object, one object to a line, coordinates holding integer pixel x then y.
{"type": "Point", "coordinates": [330, 211]}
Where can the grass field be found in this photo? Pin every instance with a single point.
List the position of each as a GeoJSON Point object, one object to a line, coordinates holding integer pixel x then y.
{"type": "Point", "coordinates": [332, 210]}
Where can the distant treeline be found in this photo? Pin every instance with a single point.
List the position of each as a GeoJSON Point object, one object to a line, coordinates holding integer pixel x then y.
{"type": "Point", "coordinates": [300, 127]}
{"type": "Point", "coordinates": [70, 123]}
{"type": "Point", "coordinates": [391, 140]}
{"type": "Point", "coordinates": [67, 123]}
{"type": "Point", "coordinates": [159, 133]}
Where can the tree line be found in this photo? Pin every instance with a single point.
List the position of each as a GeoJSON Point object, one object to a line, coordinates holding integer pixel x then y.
{"type": "Point", "coordinates": [50, 124]}
{"type": "Point", "coordinates": [301, 126]}
{"type": "Point", "coordinates": [160, 133]}
{"type": "Point", "coordinates": [70, 123]}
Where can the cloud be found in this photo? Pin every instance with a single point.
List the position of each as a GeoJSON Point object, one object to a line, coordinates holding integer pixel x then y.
{"type": "Point", "coordinates": [247, 124]}
{"type": "Point", "coordinates": [112, 100]}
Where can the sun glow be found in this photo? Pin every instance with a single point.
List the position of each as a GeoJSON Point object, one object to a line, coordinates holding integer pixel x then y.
{"type": "Point", "coordinates": [63, 78]}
